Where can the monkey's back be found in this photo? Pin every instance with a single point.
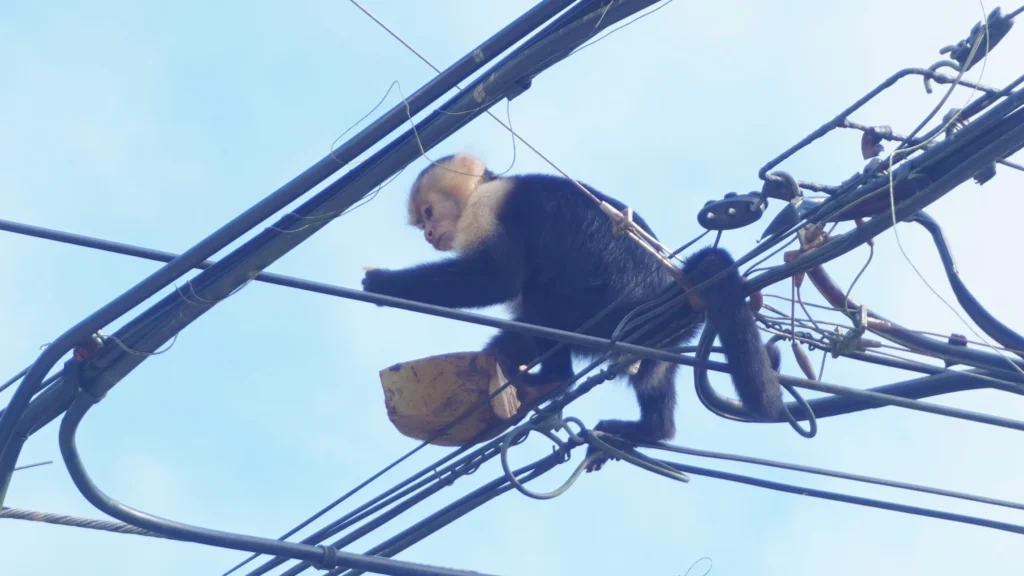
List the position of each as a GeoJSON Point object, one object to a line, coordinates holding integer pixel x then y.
{"type": "Point", "coordinates": [575, 265]}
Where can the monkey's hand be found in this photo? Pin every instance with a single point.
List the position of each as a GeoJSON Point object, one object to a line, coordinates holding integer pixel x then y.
{"type": "Point", "coordinates": [375, 280]}
{"type": "Point", "coordinates": [378, 281]}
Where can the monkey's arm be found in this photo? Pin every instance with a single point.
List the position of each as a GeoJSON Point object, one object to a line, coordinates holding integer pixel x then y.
{"type": "Point", "coordinates": [481, 278]}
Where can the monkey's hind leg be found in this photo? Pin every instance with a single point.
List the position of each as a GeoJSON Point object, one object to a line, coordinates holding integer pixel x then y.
{"type": "Point", "coordinates": [513, 350]}
{"type": "Point", "coordinates": [655, 390]}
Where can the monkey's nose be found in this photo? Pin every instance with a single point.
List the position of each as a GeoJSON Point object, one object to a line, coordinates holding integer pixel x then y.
{"type": "Point", "coordinates": [430, 234]}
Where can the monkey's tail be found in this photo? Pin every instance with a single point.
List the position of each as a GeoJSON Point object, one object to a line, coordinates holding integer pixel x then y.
{"type": "Point", "coordinates": [756, 381]}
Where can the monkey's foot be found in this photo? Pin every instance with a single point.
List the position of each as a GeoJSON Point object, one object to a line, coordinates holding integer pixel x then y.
{"type": "Point", "coordinates": [633, 432]}
{"type": "Point", "coordinates": [531, 394]}
{"type": "Point", "coordinates": [527, 391]}
{"type": "Point", "coordinates": [599, 459]}
{"type": "Point", "coordinates": [532, 388]}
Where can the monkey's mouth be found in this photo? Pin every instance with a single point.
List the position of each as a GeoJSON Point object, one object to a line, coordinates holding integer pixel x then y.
{"type": "Point", "coordinates": [439, 241]}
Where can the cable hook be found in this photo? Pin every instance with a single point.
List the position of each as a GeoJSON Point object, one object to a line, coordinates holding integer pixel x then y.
{"type": "Point", "coordinates": [927, 79]}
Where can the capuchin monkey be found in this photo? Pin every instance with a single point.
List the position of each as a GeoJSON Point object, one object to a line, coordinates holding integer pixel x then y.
{"type": "Point", "coordinates": [537, 243]}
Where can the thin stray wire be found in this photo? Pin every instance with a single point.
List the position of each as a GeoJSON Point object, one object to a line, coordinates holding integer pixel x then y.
{"type": "Point", "coordinates": [892, 193]}
{"type": "Point", "coordinates": [488, 102]}
{"type": "Point", "coordinates": [174, 339]}
{"type": "Point", "coordinates": [423, 152]}
{"type": "Point", "coordinates": [319, 218]}
{"type": "Point", "coordinates": [34, 465]}
{"type": "Point", "coordinates": [782, 318]}
{"type": "Point", "coordinates": [128, 350]}
{"type": "Point", "coordinates": [488, 112]}
{"type": "Point", "coordinates": [908, 329]}
{"type": "Point", "coordinates": [800, 301]}
{"type": "Point", "coordinates": [13, 379]}
{"type": "Point", "coordinates": [711, 564]}
{"type": "Point", "coordinates": [197, 300]}
{"type": "Point", "coordinates": [616, 29]}
{"type": "Point", "coordinates": [846, 297]}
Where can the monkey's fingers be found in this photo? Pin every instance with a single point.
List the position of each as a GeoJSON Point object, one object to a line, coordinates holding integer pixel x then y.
{"type": "Point", "coordinates": [597, 459]}
{"type": "Point", "coordinates": [597, 464]}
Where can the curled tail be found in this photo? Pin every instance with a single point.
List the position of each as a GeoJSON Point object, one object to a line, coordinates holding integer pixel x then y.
{"type": "Point", "coordinates": [753, 375]}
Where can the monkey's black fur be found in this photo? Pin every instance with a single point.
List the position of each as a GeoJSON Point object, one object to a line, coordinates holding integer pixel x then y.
{"type": "Point", "coordinates": [556, 251]}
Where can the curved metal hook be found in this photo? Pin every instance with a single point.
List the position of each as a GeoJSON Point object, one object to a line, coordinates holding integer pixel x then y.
{"type": "Point", "coordinates": [563, 448]}
{"type": "Point", "coordinates": [778, 182]}
{"type": "Point", "coordinates": [934, 68]}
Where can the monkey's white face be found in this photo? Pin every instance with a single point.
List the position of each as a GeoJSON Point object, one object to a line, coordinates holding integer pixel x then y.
{"type": "Point", "coordinates": [440, 215]}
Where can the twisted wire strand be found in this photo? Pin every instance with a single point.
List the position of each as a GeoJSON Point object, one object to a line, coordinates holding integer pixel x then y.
{"type": "Point", "coordinates": [77, 522]}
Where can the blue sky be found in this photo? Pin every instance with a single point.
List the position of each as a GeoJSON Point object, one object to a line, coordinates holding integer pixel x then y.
{"type": "Point", "coordinates": [154, 125]}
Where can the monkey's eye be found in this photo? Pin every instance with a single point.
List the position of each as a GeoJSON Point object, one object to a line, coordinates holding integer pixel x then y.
{"type": "Point", "coordinates": [428, 212]}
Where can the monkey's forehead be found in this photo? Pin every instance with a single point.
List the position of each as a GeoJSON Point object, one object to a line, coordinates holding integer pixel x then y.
{"type": "Point", "coordinates": [446, 182]}
{"type": "Point", "coordinates": [445, 161]}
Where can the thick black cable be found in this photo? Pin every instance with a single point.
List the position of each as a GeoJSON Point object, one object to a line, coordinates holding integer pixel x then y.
{"type": "Point", "coordinates": [325, 557]}
{"type": "Point", "coordinates": [988, 323]}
